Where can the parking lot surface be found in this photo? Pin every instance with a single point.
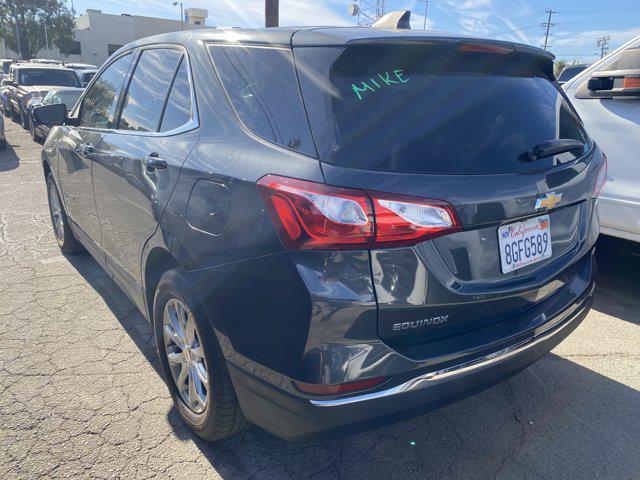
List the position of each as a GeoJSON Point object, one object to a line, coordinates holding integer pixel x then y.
{"type": "Point", "coordinates": [81, 395]}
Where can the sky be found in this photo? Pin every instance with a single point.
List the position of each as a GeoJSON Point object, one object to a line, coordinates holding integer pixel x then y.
{"type": "Point", "coordinates": [578, 23]}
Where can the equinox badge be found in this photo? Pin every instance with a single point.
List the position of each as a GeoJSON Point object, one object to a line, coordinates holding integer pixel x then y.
{"type": "Point", "coordinates": [548, 200]}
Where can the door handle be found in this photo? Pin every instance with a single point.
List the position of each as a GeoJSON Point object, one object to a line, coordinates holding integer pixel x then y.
{"type": "Point", "coordinates": [153, 162]}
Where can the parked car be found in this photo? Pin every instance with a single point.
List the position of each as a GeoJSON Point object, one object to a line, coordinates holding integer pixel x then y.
{"type": "Point", "coordinates": [28, 80]}
{"type": "Point", "coordinates": [4, 96]}
{"type": "Point", "coordinates": [5, 63]}
{"type": "Point", "coordinates": [67, 96]}
{"type": "Point", "coordinates": [333, 239]}
{"type": "Point", "coordinates": [79, 67]}
{"type": "Point", "coordinates": [46, 61]}
{"type": "Point", "coordinates": [85, 76]}
{"type": "Point", "coordinates": [3, 137]}
{"type": "Point", "coordinates": [607, 97]}
{"type": "Point", "coordinates": [570, 71]}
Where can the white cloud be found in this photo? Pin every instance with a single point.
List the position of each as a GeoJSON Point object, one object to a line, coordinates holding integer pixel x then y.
{"type": "Point", "coordinates": [469, 4]}
{"type": "Point", "coordinates": [515, 31]}
{"type": "Point", "coordinates": [475, 26]}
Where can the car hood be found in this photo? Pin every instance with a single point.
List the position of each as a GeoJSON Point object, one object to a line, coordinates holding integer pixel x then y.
{"type": "Point", "coordinates": [43, 89]}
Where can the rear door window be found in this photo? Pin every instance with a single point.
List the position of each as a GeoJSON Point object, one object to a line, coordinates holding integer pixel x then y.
{"type": "Point", "coordinates": [178, 110]}
{"type": "Point", "coordinates": [99, 104]}
{"type": "Point", "coordinates": [148, 90]}
{"type": "Point", "coordinates": [262, 86]}
{"type": "Point", "coordinates": [434, 108]}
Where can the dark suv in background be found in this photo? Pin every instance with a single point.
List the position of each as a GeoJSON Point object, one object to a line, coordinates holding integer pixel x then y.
{"type": "Point", "coordinates": [331, 227]}
{"type": "Point", "coordinates": [30, 80]}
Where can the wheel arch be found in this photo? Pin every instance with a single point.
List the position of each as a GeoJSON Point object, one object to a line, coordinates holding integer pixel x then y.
{"type": "Point", "coordinates": [158, 261]}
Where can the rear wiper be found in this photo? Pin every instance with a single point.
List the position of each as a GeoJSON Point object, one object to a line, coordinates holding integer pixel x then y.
{"type": "Point", "coordinates": [552, 147]}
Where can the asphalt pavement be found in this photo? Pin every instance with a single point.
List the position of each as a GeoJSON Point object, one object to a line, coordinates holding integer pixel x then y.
{"type": "Point", "coordinates": [81, 395]}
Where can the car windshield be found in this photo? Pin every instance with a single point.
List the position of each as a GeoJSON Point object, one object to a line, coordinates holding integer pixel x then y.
{"type": "Point", "coordinates": [438, 109]}
{"type": "Point", "coordinates": [68, 98]}
{"type": "Point", "coordinates": [48, 76]}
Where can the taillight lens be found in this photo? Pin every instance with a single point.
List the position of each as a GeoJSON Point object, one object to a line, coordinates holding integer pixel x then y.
{"type": "Point", "coordinates": [314, 216]}
{"type": "Point", "coordinates": [631, 83]}
{"type": "Point", "coordinates": [338, 388]}
{"type": "Point", "coordinates": [601, 178]}
{"type": "Point", "coordinates": [405, 220]}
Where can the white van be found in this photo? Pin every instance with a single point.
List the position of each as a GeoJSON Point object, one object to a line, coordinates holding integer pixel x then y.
{"type": "Point", "coordinates": [607, 97]}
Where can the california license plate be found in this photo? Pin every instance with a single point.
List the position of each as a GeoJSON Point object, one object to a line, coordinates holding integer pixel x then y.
{"type": "Point", "coordinates": [524, 243]}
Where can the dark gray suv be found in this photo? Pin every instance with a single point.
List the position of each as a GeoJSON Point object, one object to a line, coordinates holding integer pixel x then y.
{"type": "Point", "coordinates": [331, 228]}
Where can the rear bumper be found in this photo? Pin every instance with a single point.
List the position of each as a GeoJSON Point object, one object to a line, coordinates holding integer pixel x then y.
{"type": "Point", "coordinates": [296, 418]}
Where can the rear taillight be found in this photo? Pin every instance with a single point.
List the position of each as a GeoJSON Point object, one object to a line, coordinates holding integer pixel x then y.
{"type": "Point", "coordinates": [314, 216]}
{"type": "Point", "coordinates": [485, 48]}
{"type": "Point", "coordinates": [601, 178]}
{"type": "Point", "coordinates": [631, 83]}
{"type": "Point", "coordinates": [402, 221]}
{"type": "Point", "coordinates": [338, 388]}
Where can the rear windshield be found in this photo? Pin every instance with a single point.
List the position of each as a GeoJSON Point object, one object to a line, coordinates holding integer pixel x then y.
{"type": "Point", "coordinates": [569, 72]}
{"type": "Point", "coordinates": [433, 109]}
{"type": "Point", "coordinates": [48, 76]}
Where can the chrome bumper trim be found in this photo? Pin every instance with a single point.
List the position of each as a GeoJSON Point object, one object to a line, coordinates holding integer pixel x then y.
{"type": "Point", "coordinates": [431, 378]}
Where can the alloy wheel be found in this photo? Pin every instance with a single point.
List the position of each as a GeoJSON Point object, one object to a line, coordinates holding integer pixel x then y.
{"type": "Point", "coordinates": [185, 355]}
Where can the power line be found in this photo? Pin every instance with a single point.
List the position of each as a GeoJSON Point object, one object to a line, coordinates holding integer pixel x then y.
{"type": "Point", "coordinates": [548, 26]}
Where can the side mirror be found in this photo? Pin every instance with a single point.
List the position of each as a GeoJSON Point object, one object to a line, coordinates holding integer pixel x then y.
{"type": "Point", "coordinates": [51, 115]}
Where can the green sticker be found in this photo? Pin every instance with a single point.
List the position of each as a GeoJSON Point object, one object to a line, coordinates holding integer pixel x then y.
{"type": "Point", "coordinates": [382, 80]}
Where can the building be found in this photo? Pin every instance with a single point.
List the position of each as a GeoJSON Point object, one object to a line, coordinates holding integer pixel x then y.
{"type": "Point", "coordinates": [99, 34]}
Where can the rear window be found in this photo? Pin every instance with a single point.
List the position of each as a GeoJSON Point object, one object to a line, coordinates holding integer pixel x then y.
{"type": "Point", "coordinates": [569, 72]}
{"type": "Point", "coordinates": [262, 86]}
{"type": "Point", "coordinates": [433, 108]}
{"type": "Point", "coordinates": [48, 76]}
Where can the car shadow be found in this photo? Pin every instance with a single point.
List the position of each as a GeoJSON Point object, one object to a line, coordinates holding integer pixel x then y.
{"type": "Point", "coordinates": [8, 159]}
{"type": "Point", "coordinates": [618, 281]}
{"type": "Point", "coordinates": [556, 419]}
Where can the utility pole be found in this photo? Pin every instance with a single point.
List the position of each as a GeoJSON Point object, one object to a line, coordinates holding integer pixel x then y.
{"type": "Point", "coordinates": [368, 11]}
{"type": "Point", "coordinates": [426, 7]}
{"type": "Point", "coordinates": [271, 13]}
{"type": "Point", "coordinates": [175, 4]}
{"type": "Point", "coordinates": [603, 45]}
{"type": "Point", "coordinates": [548, 26]}
{"type": "Point", "coordinates": [46, 37]}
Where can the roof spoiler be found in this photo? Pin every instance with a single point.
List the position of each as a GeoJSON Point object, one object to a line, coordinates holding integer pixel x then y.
{"type": "Point", "coordinates": [400, 20]}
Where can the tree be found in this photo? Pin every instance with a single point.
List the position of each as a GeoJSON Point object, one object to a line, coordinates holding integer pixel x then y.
{"type": "Point", "coordinates": [558, 66]}
{"type": "Point", "coordinates": [27, 25]}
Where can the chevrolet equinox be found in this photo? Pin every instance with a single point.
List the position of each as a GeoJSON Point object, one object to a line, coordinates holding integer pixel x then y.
{"type": "Point", "coordinates": [331, 228]}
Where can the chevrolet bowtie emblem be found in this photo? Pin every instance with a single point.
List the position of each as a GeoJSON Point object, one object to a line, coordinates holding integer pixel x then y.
{"type": "Point", "coordinates": [548, 200]}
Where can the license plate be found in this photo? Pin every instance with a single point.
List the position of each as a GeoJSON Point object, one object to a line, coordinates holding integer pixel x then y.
{"type": "Point", "coordinates": [524, 243]}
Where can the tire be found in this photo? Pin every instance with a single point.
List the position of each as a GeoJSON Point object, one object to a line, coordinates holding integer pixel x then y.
{"type": "Point", "coordinates": [67, 241]}
{"type": "Point", "coordinates": [12, 114]}
{"type": "Point", "coordinates": [221, 416]}
{"type": "Point", "coordinates": [34, 136]}
{"type": "Point", "coordinates": [24, 122]}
